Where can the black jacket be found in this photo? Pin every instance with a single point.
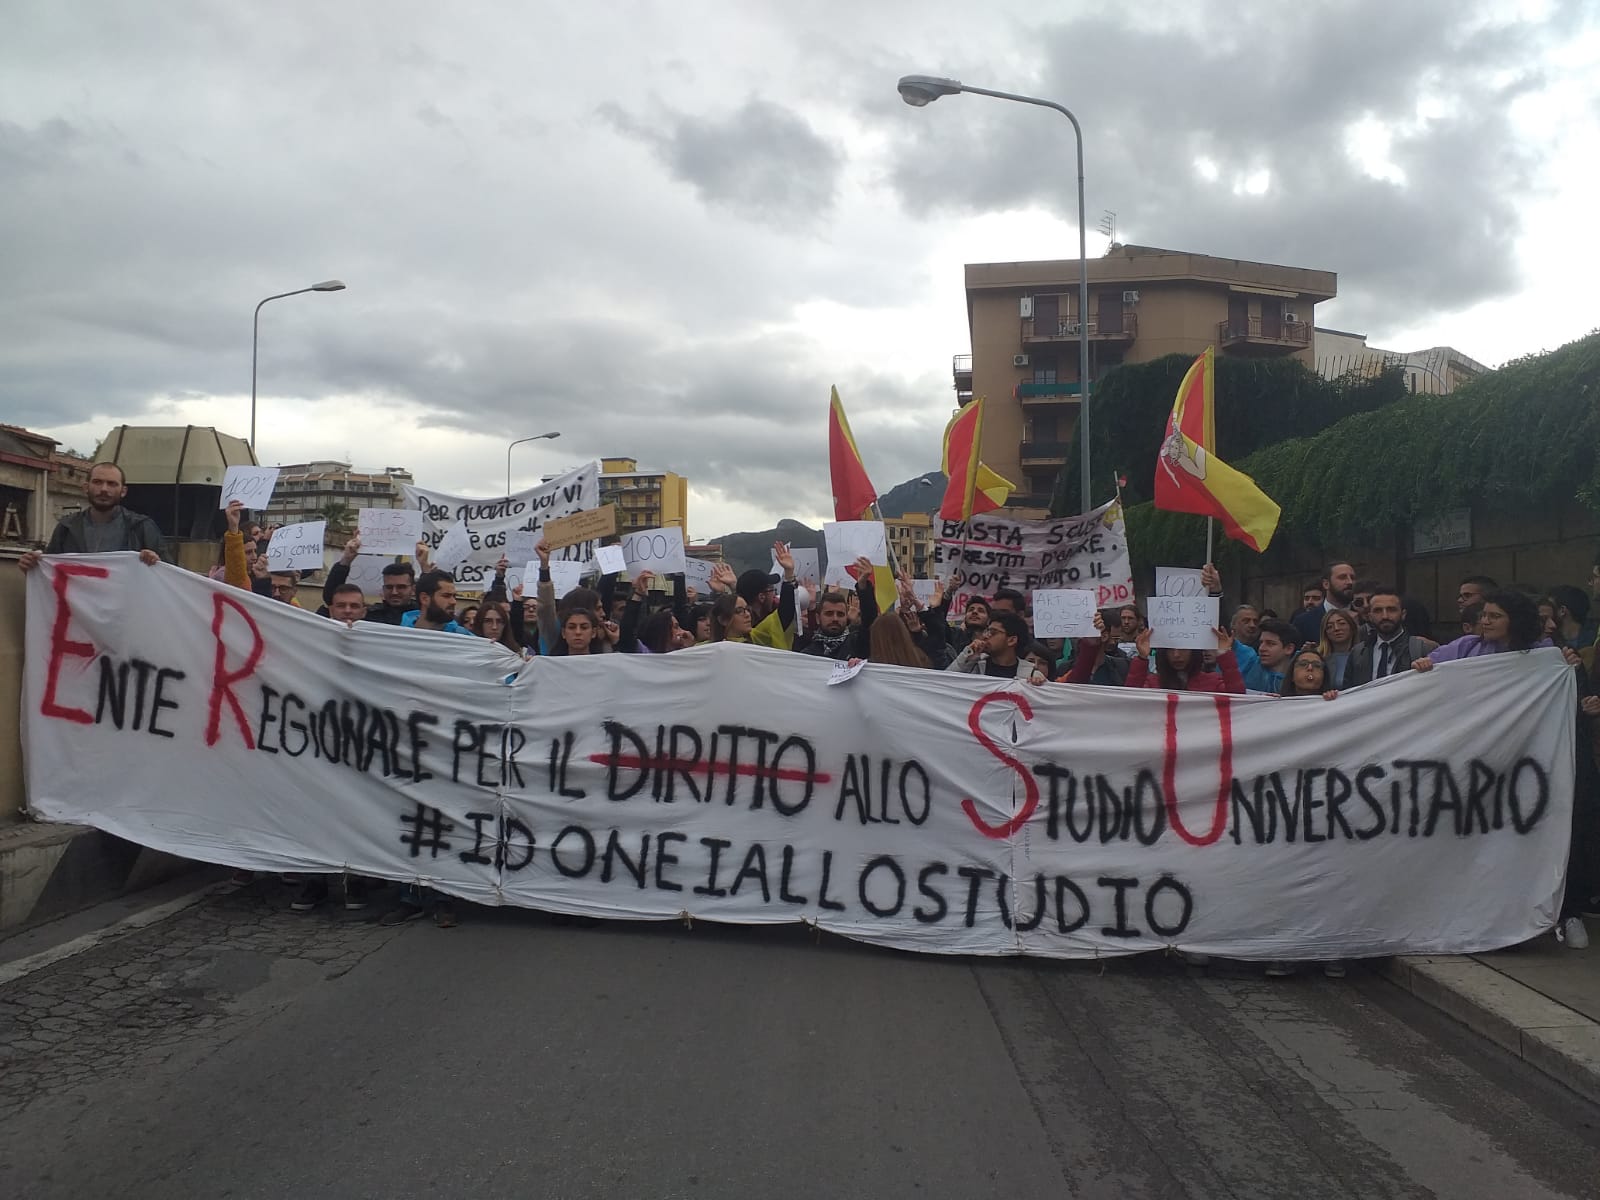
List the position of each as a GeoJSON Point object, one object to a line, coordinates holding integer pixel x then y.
{"type": "Point", "coordinates": [853, 643]}
{"type": "Point", "coordinates": [141, 533]}
{"type": "Point", "coordinates": [1363, 657]}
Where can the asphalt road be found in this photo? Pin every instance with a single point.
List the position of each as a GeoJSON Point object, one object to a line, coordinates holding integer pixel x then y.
{"type": "Point", "coordinates": [238, 1050]}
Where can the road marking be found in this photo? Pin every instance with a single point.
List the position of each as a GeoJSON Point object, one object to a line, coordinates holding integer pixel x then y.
{"type": "Point", "coordinates": [142, 919]}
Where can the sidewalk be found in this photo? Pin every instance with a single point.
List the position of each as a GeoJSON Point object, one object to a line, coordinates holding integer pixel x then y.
{"type": "Point", "coordinates": [1540, 1001]}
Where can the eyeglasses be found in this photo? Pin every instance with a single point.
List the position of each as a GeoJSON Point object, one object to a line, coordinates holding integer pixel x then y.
{"type": "Point", "coordinates": [741, 608]}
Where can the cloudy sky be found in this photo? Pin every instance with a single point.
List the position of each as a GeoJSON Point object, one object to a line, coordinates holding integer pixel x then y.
{"type": "Point", "coordinates": [666, 228]}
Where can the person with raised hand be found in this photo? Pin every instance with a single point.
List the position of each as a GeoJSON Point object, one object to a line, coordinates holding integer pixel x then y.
{"type": "Point", "coordinates": [1184, 670]}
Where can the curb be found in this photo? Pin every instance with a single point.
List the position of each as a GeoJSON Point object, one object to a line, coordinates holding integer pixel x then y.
{"type": "Point", "coordinates": [49, 870]}
{"type": "Point", "coordinates": [1563, 1044]}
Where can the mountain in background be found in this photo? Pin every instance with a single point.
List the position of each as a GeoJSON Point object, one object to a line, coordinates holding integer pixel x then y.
{"type": "Point", "coordinates": [746, 551]}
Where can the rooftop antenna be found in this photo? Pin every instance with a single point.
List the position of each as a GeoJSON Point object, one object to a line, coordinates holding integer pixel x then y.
{"type": "Point", "coordinates": [1108, 225]}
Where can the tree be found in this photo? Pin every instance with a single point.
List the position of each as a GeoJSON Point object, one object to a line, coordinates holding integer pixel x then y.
{"type": "Point", "coordinates": [339, 516]}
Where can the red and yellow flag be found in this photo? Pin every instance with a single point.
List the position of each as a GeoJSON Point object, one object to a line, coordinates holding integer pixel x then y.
{"type": "Point", "coordinates": [1191, 478]}
{"type": "Point", "coordinates": [973, 487]}
{"type": "Point", "coordinates": [853, 494]}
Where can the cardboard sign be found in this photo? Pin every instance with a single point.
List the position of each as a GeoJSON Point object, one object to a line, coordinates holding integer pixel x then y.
{"type": "Point", "coordinates": [1179, 581]}
{"type": "Point", "coordinates": [587, 526]}
{"type": "Point", "coordinates": [1064, 613]}
{"type": "Point", "coordinates": [564, 576]}
{"type": "Point", "coordinates": [367, 574]}
{"type": "Point", "coordinates": [1184, 622]}
{"type": "Point", "coordinates": [847, 541]}
{"type": "Point", "coordinates": [610, 560]}
{"type": "Point", "coordinates": [389, 530]}
{"type": "Point", "coordinates": [697, 574]}
{"type": "Point", "coordinates": [297, 547]}
{"type": "Point", "coordinates": [843, 672]}
{"type": "Point", "coordinates": [522, 546]}
{"type": "Point", "coordinates": [924, 589]}
{"type": "Point", "coordinates": [807, 565]}
{"type": "Point", "coordinates": [250, 486]}
{"type": "Point", "coordinates": [658, 550]}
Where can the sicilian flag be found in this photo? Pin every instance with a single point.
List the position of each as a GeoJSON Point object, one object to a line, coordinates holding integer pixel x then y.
{"type": "Point", "coordinates": [973, 487]}
{"type": "Point", "coordinates": [853, 494]}
{"type": "Point", "coordinates": [1191, 478]}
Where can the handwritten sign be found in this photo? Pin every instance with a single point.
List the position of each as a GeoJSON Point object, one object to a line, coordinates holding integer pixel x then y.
{"type": "Point", "coordinates": [847, 541]}
{"type": "Point", "coordinates": [250, 486]}
{"type": "Point", "coordinates": [1179, 581]}
{"type": "Point", "coordinates": [610, 560]}
{"type": "Point", "coordinates": [807, 565]}
{"type": "Point", "coordinates": [453, 547]}
{"type": "Point", "coordinates": [564, 576]}
{"type": "Point", "coordinates": [981, 556]}
{"type": "Point", "coordinates": [697, 574]}
{"type": "Point", "coordinates": [367, 573]}
{"type": "Point", "coordinates": [658, 550]}
{"type": "Point", "coordinates": [297, 547]}
{"type": "Point", "coordinates": [924, 589]}
{"type": "Point", "coordinates": [521, 545]}
{"type": "Point", "coordinates": [843, 672]}
{"type": "Point", "coordinates": [1183, 622]}
{"type": "Point", "coordinates": [1064, 613]}
{"type": "Point", "coordinates": [587, 526]}
{"type": "Point", "coordinates": [389, 530]}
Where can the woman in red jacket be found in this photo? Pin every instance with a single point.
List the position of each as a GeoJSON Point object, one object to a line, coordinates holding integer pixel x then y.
{"type": "Point", "coordinates": [1184, 670]}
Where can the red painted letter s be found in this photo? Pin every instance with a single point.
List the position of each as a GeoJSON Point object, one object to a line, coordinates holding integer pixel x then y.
{"type": "Point", "coordinates": [1029, 783]}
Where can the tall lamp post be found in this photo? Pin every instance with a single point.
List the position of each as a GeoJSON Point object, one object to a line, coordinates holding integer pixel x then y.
{"type": "Point", "coordinates": [327, 285]}
{"type": "Point", "coordinates": [538, 437]}
{"type": "Point", "coordinates": [922, 90]}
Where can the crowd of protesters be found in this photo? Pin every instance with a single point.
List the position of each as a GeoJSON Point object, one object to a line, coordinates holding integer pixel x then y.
{"type": "Point", "coordinates": [1346, 632]}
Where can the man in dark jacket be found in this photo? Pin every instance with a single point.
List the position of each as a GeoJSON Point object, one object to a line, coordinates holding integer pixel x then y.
{"type": "Point", "coordinates": [399, 586]}
{"type": "Point", "coordinates": [1388, 650]}
{"type": "Point", "coordinates": [105, 526]}
{"type": "Point", "coordinates": [834, 638]}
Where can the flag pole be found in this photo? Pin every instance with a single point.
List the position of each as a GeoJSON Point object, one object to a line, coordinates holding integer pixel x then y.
{"type": "Point", "coordinates": [1211, 525]}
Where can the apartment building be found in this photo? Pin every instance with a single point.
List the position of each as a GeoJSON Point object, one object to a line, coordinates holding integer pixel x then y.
{"type": "Point", "coordinates": [644, 499]}
{"type": "Point", "coordinates": [1438, 370]}
{"type": "Point", "coordinates": [911, 539]}
{"type": "Point", "coordinates": [306, 490]}
{"type": "Point", "coordinates": [1144, 302]}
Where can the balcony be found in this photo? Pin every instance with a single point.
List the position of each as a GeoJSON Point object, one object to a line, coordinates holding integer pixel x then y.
{"type": "Point", "coordinates": [1122, 328]}
{"type": "Point", "coordinates": [961, 373]}
{"type": "Point", "coordinates": [1049, 392]}
{"type": "Point", "coordinates": [1252, 335]}
{"type": "Point", "coordinates": [1045, 452]}
{"type": "Point", "coordinates": [1028, 500]}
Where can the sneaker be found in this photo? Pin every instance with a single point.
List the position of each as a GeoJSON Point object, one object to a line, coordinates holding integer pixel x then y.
{"type": "Point", "coordinates": [444, 915]}
{"type": "Point", "coordinates": [1572, 932]}
{"type": "Point", "coordinates": [401, 913]}
{"type": "Point", "coordinates": [312, 893]}
{"type": "Point", "coordinates": [1280, 970]}
{"type": "Point", "coordinates": [1333, 970]}
{"type": "Point", "coordinates": [355, 894]}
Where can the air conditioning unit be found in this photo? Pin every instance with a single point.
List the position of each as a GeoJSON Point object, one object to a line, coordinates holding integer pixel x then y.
{"type": "Point", "coordinates": [1290, 317]}
{"type": "Point", "coordinates": [1019, 360]}
{"type": "Point", "coordinates": [1130, 297]}
{"type": "Point", "coordinates": [1027, 308]}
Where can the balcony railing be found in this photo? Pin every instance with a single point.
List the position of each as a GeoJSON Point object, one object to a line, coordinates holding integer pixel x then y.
{"type": "Point", "coordinates": [1252, 330]}
{"type": "Point", "coordinates": [1045, 450]}
{"type": "Point", "coordinates": [1027, 391]}
{"type": "Point", "coordinates": [1122, 327]}
{"type": "Point", "coordinates": [961, 364]}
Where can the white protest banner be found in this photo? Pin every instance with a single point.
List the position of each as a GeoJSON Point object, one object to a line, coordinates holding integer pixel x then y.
{"type": "Point", "coordinates": [610, 560]}
{"type": "Point", "coordinates": [452, 549]}
{"type": "Point", "coordinates": [490, 522]}
{"type": "Point", "coordinates": [1064, 613]}
{"type": "Point", "coordinates": [389, 530]}
{"type": "Point", "coordinates": [1183, 622]}
{"type": "Point", "coordinates": [981, 556]}
{"type": "Point", "coordinates": [366, 572]}
{"type": "Point", "coordinates": [297, 547]}
{"type": "Point", "coordinates": [847, 541]}
{"type": "Point", "coordinates": [1179, 581]}
{"type": "Point", "coordinates": [250, 486]}
{"type": "Point", "coordinates": [697, 574]}
{"type": "Point", "coordinates": [564, 575]}
{"type": "Point", "coordinates": [658, 550]}
{"type": "Point", "coordinates": [924, 589]}
{"type": "Point", "coordinates": [917, 809]}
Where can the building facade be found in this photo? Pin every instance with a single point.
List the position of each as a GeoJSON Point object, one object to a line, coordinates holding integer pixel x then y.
{"type": "Point", "coordinates": [1144, 303]}
{"type": "Point", "coordinates": [1438, 370]}
{"type": "Point", "coordinates": [644, 499]}
{"type": "Point", "coordinates": [911, 541]}
{"type": "Point", "coordinates": [306, 491]}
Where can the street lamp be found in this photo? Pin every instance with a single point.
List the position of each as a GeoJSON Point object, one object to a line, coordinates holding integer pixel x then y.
{"type": "Point", "coordinates": [327, 285]}
{"type": "Point", "coordinates": [921, 90]}
{"type": "Point", "coordinates": [538, 437]}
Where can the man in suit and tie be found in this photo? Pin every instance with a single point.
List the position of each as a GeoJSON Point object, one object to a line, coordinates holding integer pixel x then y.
{"type": "Point", "coordinates": [1338, 587]}
{"type": "Point", "coordinates": [1388, 649]}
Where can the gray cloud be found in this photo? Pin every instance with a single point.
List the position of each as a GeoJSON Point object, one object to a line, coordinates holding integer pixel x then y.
{"type": "Point", "coordinates": [1276, 92]}
{"type": "Point", "coordinates": [761, 160]}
